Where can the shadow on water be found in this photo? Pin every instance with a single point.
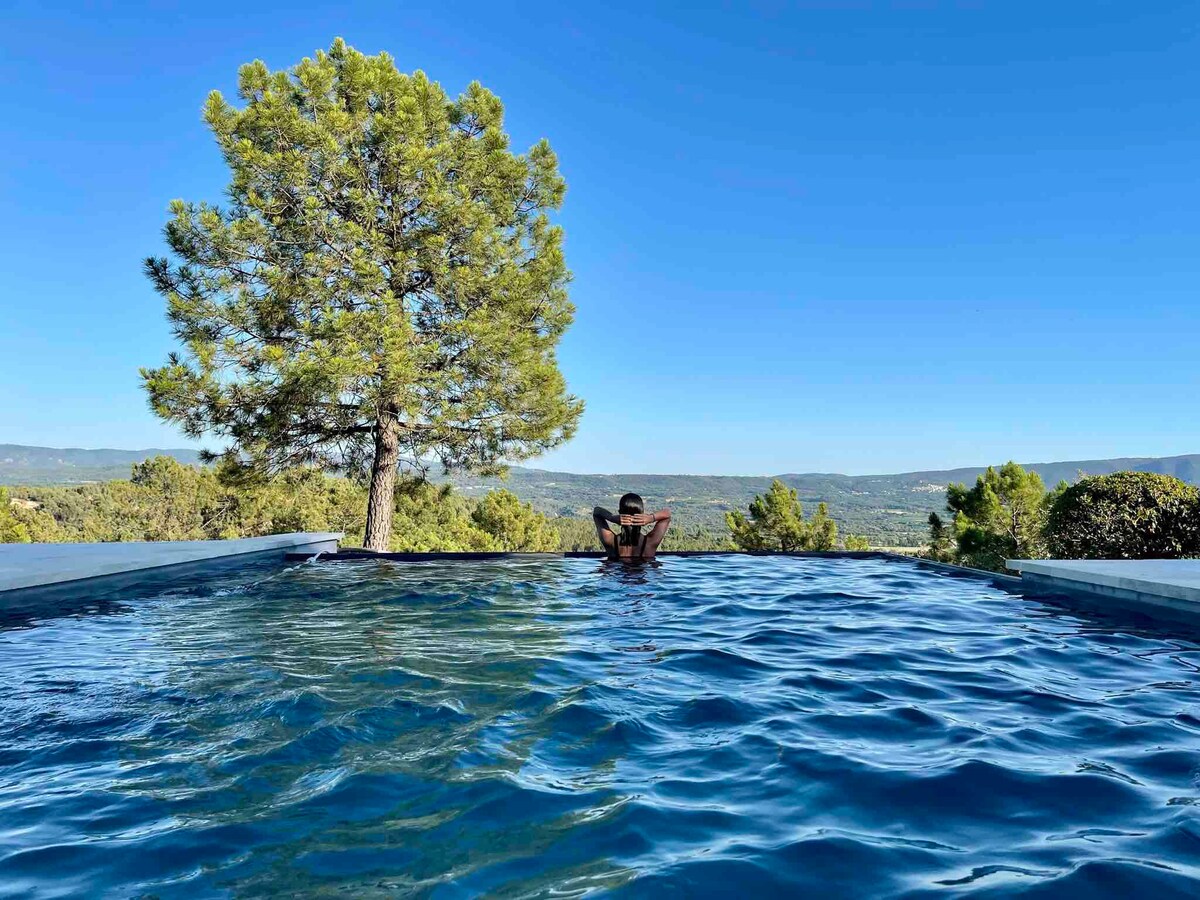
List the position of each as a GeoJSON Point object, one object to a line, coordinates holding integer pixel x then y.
{"type": "Point", "coordinates": [1092, 614]}
{"type": "Point", "coordinates": [30, 610]}
{"type": "Point", "coordinates": [118, 594]}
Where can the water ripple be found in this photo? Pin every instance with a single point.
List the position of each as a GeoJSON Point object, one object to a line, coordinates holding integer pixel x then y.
{"type": "Point", "coordinates": [709, 727]}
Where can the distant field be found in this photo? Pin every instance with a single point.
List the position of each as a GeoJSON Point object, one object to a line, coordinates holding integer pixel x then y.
{"type": "Point", "coordinates": [890, 510]}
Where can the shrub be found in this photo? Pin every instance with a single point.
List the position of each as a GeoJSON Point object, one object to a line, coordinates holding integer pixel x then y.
{"type": "Point", "coordinates": [1126, 515]}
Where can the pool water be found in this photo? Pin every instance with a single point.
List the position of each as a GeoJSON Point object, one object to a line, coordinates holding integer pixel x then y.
{"type": "Point", "coordinates": [720, 726]}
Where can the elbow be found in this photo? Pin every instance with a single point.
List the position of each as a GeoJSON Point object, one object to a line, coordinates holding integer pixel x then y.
{"type": "Point", "coordinates": [665, 515]}
{"type": "Point", "coordinates": [597, 512]}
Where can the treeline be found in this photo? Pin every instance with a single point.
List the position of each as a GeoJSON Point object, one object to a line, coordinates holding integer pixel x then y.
{"type": "Point", "coordinates": [165, 500]}
{"type": "Point", "coordinates": [1009, 514]}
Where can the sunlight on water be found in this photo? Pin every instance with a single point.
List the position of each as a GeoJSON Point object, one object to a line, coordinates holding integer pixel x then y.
{"type": "Point", "coordinates": [711, 727]}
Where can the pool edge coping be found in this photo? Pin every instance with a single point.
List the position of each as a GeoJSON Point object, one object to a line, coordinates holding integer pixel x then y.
{"type": "Point", "coordinates": [46, 565]}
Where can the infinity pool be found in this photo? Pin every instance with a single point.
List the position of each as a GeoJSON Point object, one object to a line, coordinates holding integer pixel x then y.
{"type": "Point", "coordinates": [720, 726]}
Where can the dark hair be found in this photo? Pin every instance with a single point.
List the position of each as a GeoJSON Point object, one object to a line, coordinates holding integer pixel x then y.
{"type": "Point", "coordinates": [631, 504]}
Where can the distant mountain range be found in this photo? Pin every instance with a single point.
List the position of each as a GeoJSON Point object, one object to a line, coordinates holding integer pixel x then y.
{"type": "Point", "coordinates": [889, 509]}
{"type": "Point", "coordinates": [70, 465]}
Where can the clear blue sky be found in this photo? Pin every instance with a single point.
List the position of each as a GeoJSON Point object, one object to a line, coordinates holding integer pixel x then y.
{"type": "Point", "coordinates": [856, 237]}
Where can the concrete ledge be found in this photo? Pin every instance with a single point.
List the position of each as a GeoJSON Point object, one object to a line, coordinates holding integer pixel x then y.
{"type": "Point", "coordinates": [39, 565]}
{"type": "Point", "coordinates": [1157, 586]}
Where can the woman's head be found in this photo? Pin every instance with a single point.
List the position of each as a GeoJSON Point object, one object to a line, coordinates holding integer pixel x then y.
{"type": "Point", "coordinates": [631, 505]}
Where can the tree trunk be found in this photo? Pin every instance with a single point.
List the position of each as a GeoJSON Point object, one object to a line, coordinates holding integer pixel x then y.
{"type": "Point", "coordinates": [381, 501]}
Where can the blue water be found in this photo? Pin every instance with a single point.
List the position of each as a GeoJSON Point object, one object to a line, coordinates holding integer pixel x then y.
{"type": "Point", "coordinates": [722, 726]}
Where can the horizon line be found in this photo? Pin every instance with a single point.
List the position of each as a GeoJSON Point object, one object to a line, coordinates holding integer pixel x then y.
{"type": "Point", "coordinates": [531, 468]}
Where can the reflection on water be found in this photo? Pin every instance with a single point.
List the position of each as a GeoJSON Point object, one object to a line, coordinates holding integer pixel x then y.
{"type": "Point", "coordinates": [698, 727]}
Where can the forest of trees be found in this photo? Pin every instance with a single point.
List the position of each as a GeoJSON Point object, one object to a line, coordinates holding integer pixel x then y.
{"type": "Point", "coordinates": [1007, 514]}
{"type": "Point", "coordinates": [165, 500]}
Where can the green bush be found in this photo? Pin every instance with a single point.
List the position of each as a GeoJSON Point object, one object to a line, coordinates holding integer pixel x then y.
{"type": "Point", "coordinates": [1126, 515]}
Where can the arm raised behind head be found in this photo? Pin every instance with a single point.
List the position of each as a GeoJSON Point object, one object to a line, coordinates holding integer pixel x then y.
{"type": "Point", "coordinates": [661, 521]}
{"type": "Point", "coordinates": [600, 514]}
{"type": "Point", "coordinates": [601, 518]}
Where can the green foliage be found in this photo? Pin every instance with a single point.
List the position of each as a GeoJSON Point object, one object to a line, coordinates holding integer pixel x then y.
{"type": "Point", "coordinates": [383, 288]}
{"type": "Point", "coordinates": [513, 525]}
{"type": "Point", "coordinates": [429, 517]}
{"type": "Point", "coordinates": [890, 510]}
{"type": "Point", "coordinates": [856, 542]}
{"type": "Point", "coordinates": [302, 499]}
{"type": "Point", "coordinates": [1126, 515]}
{"type": "Point", "coordinates": [776, 522]}
{"type": "Point", "coordinates": [941, 540]}
{"type": "Point", "coordinates": [165, 500]}
{"type": "Point", "coordinates": [12, 529]}
{"type": "Point", "coordinates": [1001, 517]}
{"type": "Point", "coordinates": [823, 530]}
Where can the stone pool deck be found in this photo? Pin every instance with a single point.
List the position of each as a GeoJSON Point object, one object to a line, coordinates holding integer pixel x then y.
{"type": "Point", "coordinates": [1169, 587]}
{"type": "Point", "coordinates": [25, 566]}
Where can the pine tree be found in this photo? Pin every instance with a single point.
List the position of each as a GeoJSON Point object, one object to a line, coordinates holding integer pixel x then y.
{"type": "Point", "coordinates": [776, 522]}
{"type": "Point", "coordinates": [383, 290]}
{"type": "Point", "coordinates": [822, 530]}
{"type": "Point", "coordinates": [1002, 517]}
{"type": "Point", "coordinates": [941, 541]}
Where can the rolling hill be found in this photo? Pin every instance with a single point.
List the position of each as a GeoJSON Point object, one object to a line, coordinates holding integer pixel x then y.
{"type": "Point", "coordinates": [20, 464]}
{"type": "Point", "coordinates": [889, 509]}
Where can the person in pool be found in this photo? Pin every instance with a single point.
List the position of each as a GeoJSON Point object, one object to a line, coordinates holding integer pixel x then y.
{"type": "Point", "coordinates": [630, 545]}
